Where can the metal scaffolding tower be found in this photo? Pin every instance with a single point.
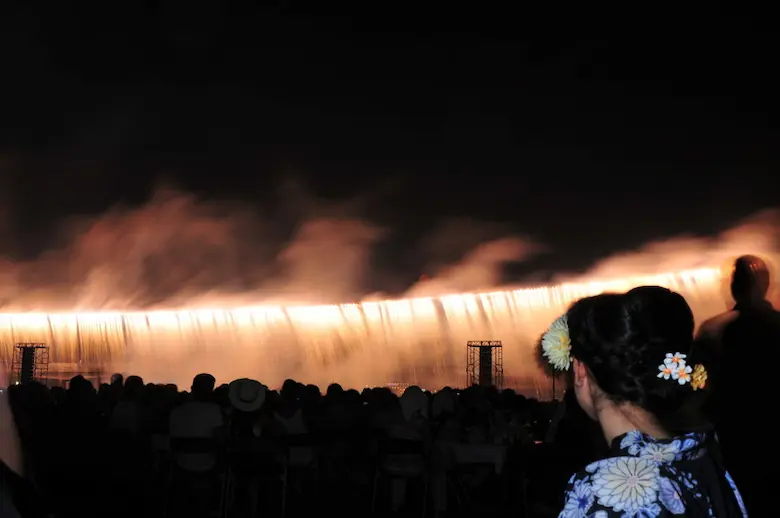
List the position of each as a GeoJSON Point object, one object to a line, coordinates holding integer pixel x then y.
{"type": "Point", "coordinates": [30, 362]}
{"type": "Point", "coordinates": [485, 363]}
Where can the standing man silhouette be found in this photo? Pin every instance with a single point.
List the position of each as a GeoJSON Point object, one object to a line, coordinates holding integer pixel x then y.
{"type": "Point", "coordinates": [750, 281]}
{"type": "Point", "coordinates": [740, 408]}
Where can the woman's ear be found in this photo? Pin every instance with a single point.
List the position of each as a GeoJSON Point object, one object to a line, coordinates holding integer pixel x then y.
{"type": "Point", "coordinates": [580, 373]}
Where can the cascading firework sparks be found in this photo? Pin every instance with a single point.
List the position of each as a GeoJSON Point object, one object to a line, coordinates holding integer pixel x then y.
{"type": "Point", "coordinates": [419, 340]}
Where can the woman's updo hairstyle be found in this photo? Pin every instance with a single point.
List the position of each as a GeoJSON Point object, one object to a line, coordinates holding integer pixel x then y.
{"type": "Point", "coordinates": [622, 339]}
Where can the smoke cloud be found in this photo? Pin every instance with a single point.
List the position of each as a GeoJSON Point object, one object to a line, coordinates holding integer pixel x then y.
{"type": "Point", "coordinates": [479, 269]}
{"type": "Point", "coordinates": [758, 234]}
{"type": "Point", "coordinates": [178, 250]}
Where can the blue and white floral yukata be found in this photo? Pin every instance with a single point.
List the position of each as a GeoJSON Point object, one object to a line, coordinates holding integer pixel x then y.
{"type": "Point", "coordinates": [647, 478]}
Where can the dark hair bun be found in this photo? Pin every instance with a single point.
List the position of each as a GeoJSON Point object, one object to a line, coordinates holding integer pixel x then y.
{"type": "Point", "coordinates": [624, 338]}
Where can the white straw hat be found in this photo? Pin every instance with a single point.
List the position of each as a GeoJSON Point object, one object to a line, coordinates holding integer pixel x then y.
{"type": "Point", "coordinates": [247, 395]}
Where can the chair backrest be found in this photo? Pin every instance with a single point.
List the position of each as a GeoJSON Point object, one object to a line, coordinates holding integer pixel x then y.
{"type": "Point", "coordinates": [194, 445]}
{"type": "Point", "coordinates": [401, 446]}
{"type": "Point", "coordinates": [297, 440]}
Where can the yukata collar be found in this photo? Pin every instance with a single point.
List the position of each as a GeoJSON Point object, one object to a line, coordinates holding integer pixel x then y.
{"type": "Point", "coordinates": [689, 446]}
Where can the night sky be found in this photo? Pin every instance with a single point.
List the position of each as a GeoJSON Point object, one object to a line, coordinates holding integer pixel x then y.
{"type": "Point", "coordinates": [588, 131]}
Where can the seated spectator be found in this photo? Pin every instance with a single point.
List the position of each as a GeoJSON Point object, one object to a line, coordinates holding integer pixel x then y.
{"type": "Point", "coordinates": [247, 398]}
{"type": "Point", "coordinates": [129, 414]}
{"type": "Point", "coordinates": [200, 418]}
{"type": "Point", "coordinates": [288, 412]}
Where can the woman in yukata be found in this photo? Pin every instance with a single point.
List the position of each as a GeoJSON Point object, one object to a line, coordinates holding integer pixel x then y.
{"type": "Point", "coordinates": [632, 374]}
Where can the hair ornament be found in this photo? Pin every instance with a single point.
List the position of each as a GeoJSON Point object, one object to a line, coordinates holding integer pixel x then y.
{"type": "Point", "coordinates": [677, 369]}
{"type": "Point", "coordinates": [556, 344]}
{"type": "Point", "coordinates": [699, 377]}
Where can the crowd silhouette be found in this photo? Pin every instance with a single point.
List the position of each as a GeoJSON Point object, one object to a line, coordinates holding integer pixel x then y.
{"type": "Point", "coordinates": [137, 449]}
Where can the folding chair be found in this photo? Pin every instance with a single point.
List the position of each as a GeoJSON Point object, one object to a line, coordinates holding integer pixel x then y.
{"type": "Point", "coordinates": [262, 458]}
{"type": "Point", "coordinates": [455, 479]}
{"type": "Point", "coordinates": [180, 447]}
{"type": "Point", "coordinates": [401, 459]}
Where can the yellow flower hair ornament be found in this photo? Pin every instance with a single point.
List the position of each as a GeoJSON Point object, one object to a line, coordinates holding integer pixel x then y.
{"type": "Point", "coordinates": [699, 377]}
{"type": "Point", "coordinates": [556, 344]}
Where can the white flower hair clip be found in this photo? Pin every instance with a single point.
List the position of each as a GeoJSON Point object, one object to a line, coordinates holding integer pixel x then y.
{"type": "Point", "coordinates": [676, 368]}
{"type": "Point", "coordinates": [556, 344]}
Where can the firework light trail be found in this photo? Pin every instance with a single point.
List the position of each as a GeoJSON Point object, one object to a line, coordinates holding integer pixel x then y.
{"type": "Point", "coordinates": [418, 339]}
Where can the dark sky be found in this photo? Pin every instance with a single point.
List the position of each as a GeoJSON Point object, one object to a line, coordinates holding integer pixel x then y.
{"type": "Point", "coordinates": [590, 131]}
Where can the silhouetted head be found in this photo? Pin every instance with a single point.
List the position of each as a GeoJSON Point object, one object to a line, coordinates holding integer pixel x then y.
{"type": "Point", "coordinates": [749, 280]}
{"type": "Point", "coordinates": [59, 394]}
{"type": "Point", "coordinates": [312, 393]}
{"type": "Point", "coordinates": [618, 342]}
{"type": "Point", "coordinates": [134, 387]}
{"type": "Point", "coordinates": [334, 391]}
{"type": "Point", "coordinates": [289, 389]}
{"type": "Point", "coordinates": [104, 390]}
{"type": "Point", "coordinates": [221, 394]}
{"type": "Point", "coordinates": [79, 384]}
{"type": "Point", "coordinates": [203, 387]}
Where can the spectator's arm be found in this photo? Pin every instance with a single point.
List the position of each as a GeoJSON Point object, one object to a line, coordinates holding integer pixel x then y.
{"type": "Point", "coordinates": [10, 449]}
{"type": "Point", "coordinates": [560, 413]}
